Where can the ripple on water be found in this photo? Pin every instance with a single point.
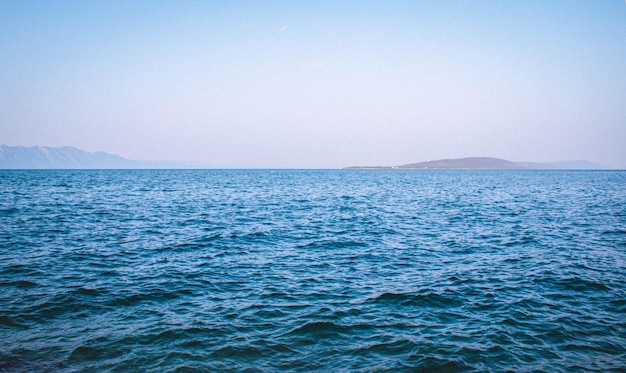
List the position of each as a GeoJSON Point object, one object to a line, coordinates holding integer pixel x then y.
{"type": "Point", "coordinates": [312, 271]}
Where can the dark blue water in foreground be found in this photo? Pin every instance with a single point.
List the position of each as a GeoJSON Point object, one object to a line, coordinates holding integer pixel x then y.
{"type": "Point", "coordinates": [290, 270]}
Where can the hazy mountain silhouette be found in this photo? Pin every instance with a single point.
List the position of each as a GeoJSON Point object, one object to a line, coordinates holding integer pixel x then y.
{"type": "Point", "coordinates": [488, 163]}
{"type": "Point", "coordinates": [467, 163]}
{"type": "Point", "coordinates": [68, 157]}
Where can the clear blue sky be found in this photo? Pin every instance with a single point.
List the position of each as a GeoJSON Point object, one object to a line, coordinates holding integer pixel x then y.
{"type": "Point", "coordinates": [317, 84]}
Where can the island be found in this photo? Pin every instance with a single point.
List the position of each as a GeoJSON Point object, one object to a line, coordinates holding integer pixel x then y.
{"type": "Point", "coordinates": [489, 163]}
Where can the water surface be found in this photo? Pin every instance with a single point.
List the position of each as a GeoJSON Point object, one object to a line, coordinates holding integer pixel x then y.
{"type": "Point", "coordinates": [333, 270]}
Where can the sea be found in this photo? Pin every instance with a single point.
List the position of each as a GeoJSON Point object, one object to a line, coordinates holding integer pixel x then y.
{"type": "Point", "coordinates": [312, 271]}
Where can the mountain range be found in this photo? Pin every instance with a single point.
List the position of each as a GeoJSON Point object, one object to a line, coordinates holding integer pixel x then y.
{"type": "Point", "coordinates": [488, 163]}
{"type": "Point", "coordinates": [68, 157]}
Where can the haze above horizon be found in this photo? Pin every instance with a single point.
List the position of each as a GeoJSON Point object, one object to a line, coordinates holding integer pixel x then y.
{"type": "Point", "coordinates": [317, 85]}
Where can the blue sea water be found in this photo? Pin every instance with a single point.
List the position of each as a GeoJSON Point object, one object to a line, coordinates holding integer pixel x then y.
{"type": "Point", "coordinates": [312, 270]}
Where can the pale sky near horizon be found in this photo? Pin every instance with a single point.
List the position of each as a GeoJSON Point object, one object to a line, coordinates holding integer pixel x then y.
{"type": "Point", "coordinates": [318, 84]}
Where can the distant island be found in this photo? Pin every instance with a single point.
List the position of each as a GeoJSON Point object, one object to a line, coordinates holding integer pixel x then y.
{"type": "Point", "coordinates": [488, 163]}
{"type": "Point", "coordinates": [68, 157]}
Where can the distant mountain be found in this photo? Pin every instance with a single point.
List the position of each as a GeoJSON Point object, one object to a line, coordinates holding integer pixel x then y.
{"type": "Point", "coordinates": [482, 163]}
{"type": "Point", "coordinates": [487, 163]}
{"type": "Point", "coordinates": [68, 157]}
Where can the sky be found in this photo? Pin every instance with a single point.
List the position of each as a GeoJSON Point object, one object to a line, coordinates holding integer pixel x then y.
{"type": "Point", "coordinates": [317, 84]}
